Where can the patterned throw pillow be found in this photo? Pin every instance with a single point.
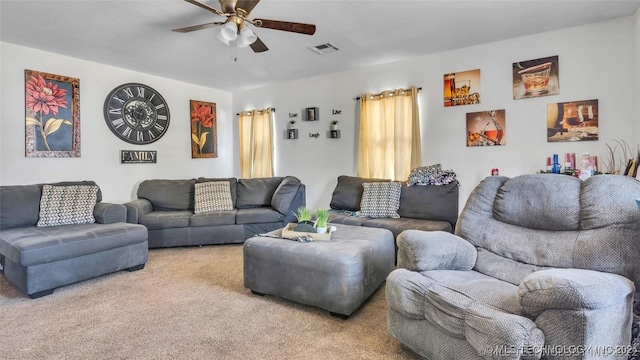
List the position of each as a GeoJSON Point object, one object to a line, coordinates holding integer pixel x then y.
{"type": "Point", "coordinates": [66, 205]}
{"type": "Point", "coordinates": [212, 196]}
{"type": "Point", "coordinates": [380, 199]}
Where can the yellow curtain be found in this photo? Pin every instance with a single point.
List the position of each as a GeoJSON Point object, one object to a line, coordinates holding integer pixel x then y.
{"type": "Point", "coordinates": [389, 143]}
{"type": "Point", "coordinates": [256, 143]}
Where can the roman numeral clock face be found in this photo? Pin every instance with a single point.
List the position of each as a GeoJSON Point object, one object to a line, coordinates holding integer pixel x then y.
{"type": "Point", "coordinates": [136, 113]}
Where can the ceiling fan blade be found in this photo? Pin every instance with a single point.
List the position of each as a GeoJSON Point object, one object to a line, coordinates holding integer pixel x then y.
{"type": "Point", "coordinates": [197, 27]}
{"type": "Point", "coordinates": [247, 5]}
{"type": "Point", "coordinates": [258, 46]}
{"type": "Point", "coordinates": [205, 6]}
{"type": "Point", "coordinates": [308, 29]}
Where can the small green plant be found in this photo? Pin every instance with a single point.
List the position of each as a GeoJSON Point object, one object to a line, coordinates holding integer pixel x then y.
{"type": "Point", "coordinates": [322, 217]}
{"type": "Point", "coordinates": [292, 122]}
{"type": "Point", "coordinates": [303, 214]}
{"type": "Point", "coordinates": [334, 122]}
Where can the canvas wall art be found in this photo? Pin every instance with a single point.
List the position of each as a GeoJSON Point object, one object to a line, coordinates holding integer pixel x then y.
{"type": "Point", "coordinates": [52, 114]}
{"type": "Point", "coordinates": [204, 136]}
{"type": "Point", "coordinates": [572, 121]}
{"type": "Point", "coordinates": [486, 128]}
{"type": "Point", "coordinates": [462, 88]}
{"type": "Point", "coordinates": [538, 77]}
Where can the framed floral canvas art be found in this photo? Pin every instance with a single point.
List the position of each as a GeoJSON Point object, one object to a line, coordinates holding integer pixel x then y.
{"type": "Point", "coordinates": [52, 113]}
{"type": "Point", "coordinates": [204, 136]}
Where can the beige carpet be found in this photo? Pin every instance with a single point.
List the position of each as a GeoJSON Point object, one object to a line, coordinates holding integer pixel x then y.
{"type": "Point", "coordinates": [187, 303]}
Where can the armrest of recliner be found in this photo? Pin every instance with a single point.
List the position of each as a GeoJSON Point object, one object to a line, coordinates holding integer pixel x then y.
{"type": "Point", "coordinates": [136, 208]}
{"type": "Point", "coordinates": [434, 250]}
{"type": "Point", "coordinates": [575, 307]}
{"type": "Point", "coordinates": [571, 289]}
{"type": "Point", "coordinates": [107, 213]}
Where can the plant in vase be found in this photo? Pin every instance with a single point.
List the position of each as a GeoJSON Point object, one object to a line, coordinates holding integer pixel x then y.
{"type": "Point", "coordinates": [334, 125]}
{"type": "Point", "coordinates": [292, 124]}
{"type": "Point", "coordinates": [322, 218]}
{"type": "Point", "coordinates": [304, 215]}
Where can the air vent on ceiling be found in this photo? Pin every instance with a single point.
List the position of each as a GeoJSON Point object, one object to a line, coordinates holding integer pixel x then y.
{"type": "Point", "coordinates": [324, 48]}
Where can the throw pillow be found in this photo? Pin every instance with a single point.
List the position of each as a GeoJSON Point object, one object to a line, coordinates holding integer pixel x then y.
{"type": "Point", "coordinates": [212, 196]}
{"type": "Point", "coordinates": [285, 194]}
{"type": "Point", "coordinates": [67, 205]}
{"type": "Point", "coordinates": [380, 199]}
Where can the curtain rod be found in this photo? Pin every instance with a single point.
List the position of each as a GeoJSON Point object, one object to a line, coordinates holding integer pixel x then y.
{"type": "Point", "coordinates": [272, 110]}
{"type": "Point", "coordinates": [420, 88]}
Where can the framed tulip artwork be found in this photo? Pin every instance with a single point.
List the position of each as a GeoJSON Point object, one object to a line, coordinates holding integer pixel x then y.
{"type": "Point", "coordinates": [204, 136]}
{"type": "Point", "coordinates": [52, 115]}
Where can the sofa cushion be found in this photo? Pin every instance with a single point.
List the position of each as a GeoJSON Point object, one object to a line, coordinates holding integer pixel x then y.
{"type": "Point", "coordinates": [168, 194]}
{"type": "Point", "coordinates": [431, 202]}
{"type": "Point", "coordinates": [258, 215]}
{"type": "Point", "coordinates": [19, 206]}
{"type": "Point", "coordinates": [212, 196]}
{"type": "Point", "coordinates": [396, 226]}
{"type": "Point", "coordinates": [215, 218]}
{"type": "Point", "coordinates": [380, 199]}
{"type": "Point", "coordinates": [255, 193]}
{"type": "Point", "coordinates": [37, 245]}
{"type": "Point", "coordinates": [233, 184]}
{"type": "Point", "coordinates": [157, 220]}
{"type": "Point", "coordinates": [285, 193]}
{"type": "Point", "coordinates": [67, 205]}
{"type": "Point", "coordinates": [348, 192]}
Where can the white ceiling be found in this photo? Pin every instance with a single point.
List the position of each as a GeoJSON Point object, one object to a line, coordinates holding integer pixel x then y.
{"type": "Point", "coordinates": [136, 34]}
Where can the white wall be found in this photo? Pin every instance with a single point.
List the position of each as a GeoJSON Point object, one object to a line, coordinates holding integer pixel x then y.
{"type": "Point", "coordinates": [99, 160]}
{"type": "Point", "coordinates": [636, 96]}
{"type": "Point", "coordinates": [595, 62]}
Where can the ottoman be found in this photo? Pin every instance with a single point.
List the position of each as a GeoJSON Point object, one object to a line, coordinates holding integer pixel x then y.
{"type": "Point", "coordinates": [337, 275]}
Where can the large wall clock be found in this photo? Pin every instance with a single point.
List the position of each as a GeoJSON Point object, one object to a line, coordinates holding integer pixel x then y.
{"type": "Point", "coordinates": [136, 113]}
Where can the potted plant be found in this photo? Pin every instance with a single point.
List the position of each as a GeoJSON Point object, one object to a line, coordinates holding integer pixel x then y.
{"type": "Point", "coordinates": [304, 215]}
{"type": "Point", "coordinates": [334, 125]}
{"type": "Point", "coordinates": [292, 124]}
{"type": "Point", "coordinates": [322, 217]}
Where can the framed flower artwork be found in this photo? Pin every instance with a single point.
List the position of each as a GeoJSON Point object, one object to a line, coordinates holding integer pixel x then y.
{"type": "Point", "coordinates": [204, 135]}
{"type": "Point", "coordinates": [52, 114]}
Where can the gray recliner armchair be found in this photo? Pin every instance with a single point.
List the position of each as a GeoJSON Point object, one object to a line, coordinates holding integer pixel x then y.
{"type": "Point", "coordinates": [540, 266]}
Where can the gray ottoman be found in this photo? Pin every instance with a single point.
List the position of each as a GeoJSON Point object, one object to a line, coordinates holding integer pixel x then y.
{"type": "Point", "coordinates": [337, 275]}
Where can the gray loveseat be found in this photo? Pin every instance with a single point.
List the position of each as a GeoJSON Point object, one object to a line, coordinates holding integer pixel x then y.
{"type": "Point", "coordinates": [68, 236]}
{"type": "Point", "coordinates": [422, 207]}
{"type": "Point", "coordinates": [540, 265]}
{"type": "Point", "coordinates": [168, 209]}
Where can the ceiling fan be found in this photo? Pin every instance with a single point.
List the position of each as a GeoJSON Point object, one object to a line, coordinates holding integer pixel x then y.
{"type": "Point", "coordinates": [235, 27]}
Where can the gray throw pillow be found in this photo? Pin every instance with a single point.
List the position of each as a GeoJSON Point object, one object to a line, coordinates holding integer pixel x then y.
{"type": "Point", "coordinates": [284, 194]}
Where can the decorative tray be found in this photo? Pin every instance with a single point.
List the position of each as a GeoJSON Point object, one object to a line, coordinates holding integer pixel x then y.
{"type": "Point", "coordinates": [288, 233]}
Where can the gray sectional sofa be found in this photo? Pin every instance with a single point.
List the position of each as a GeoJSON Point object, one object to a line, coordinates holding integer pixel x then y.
{"type": "Point", "coordinates": [168, 208]}
{"type": "Point", "coordinates": [57, 234]}
{"type": "Point", "coordinates": [422, 207]}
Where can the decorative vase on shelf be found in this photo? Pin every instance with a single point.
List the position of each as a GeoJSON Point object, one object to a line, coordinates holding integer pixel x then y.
{"type": "Point", "coordinates": [292, 126]}
{"type": "Point", "coordinates": [333, 126]}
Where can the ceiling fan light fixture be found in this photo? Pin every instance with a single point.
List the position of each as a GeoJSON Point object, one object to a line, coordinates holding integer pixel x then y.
{"type": "Point", "coordinates": [229, 31]}
{"type": "Point", "coordinates": [248, 36]}
{"type": "Point", "coordinates": [222, 39]}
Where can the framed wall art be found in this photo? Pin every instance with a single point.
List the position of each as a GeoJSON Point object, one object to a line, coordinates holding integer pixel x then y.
{"type": "Point", "coordinates": [204, 134]}
{"type": "Point", "coordinates": [462, 88]}
{"type": "Point", "coordinates": [52, 113]}
{"type": "Point", "coordinates": [533, 78]}
{"type": "Point", "coordinates": [572, 121]}
{"type": "Point", "coordinates": [311, 114]}
{"type": "Point", "coordinates": [486, 128]}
